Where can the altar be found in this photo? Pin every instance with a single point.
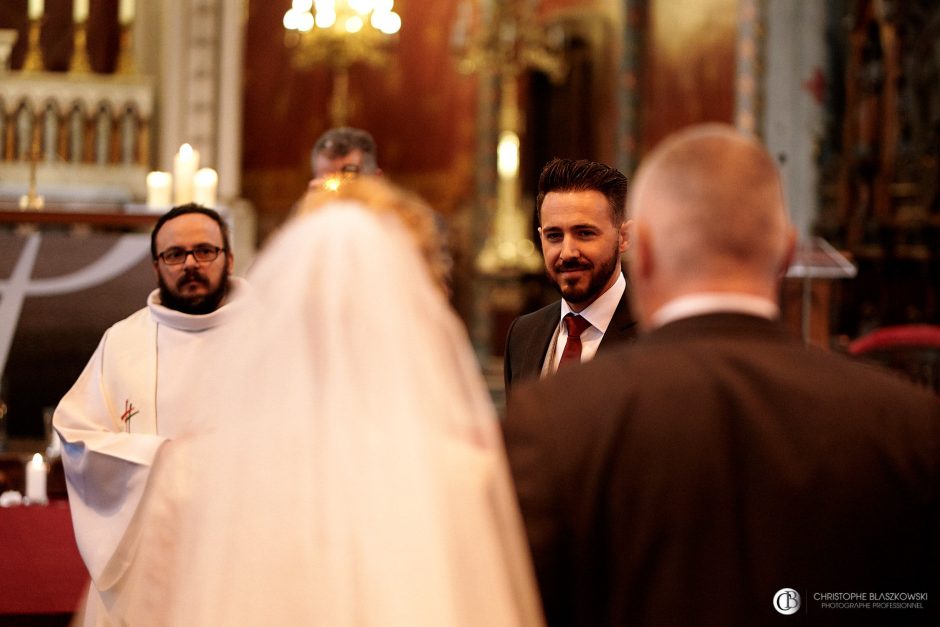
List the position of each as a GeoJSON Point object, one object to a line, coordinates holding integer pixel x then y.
{"type": "Point", "coordinates": [43, 578]}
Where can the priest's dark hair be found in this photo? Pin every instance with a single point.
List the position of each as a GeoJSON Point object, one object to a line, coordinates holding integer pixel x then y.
{"type": "Point", "coordinates": [181, 210]}
{"type": "Point", "coordinates": [568, 175]}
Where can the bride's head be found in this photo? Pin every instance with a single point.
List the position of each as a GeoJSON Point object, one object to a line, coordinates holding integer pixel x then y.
{"type": "Point", "coordinates": [382, 197]}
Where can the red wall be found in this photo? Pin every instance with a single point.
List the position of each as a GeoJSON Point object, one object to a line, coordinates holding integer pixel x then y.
{"type": "Point", "coordinates": [419, 109]}
{"type": "Point", "coordinates": [687, 72]}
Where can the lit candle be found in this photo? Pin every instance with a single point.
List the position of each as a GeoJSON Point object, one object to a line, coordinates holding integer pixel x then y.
{"type": "Point", "coordinates": [126, 12]}
{"type": "Point", "coordinates": [184, 170]}
{"type": "Point", "coordinates": [36, 480]}
{"type": "Point", "coordinates": [159, 189]}
{"type": "Point", "coordinates": [206, 187]}
{"type": "Point", "coordinates": [79, 11]}
{"type": "Point", "coordinates": [35, 9]}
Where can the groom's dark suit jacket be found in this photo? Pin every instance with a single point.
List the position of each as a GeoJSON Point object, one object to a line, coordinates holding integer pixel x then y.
{"type": "Point", "coordinates": [529, 336]}
{"type": "Point", "coordinates": [686, 478]}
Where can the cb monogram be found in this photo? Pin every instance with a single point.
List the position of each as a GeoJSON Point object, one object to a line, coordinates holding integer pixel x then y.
{"type": "Point", "coordinates": [787, 601]}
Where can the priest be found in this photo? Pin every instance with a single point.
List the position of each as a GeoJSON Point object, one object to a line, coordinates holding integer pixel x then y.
{"type": "Point", "coordinates": [132, 396]}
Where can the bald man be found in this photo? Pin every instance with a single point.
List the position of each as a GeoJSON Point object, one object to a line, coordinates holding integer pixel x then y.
{"type": "Point", "coordinates": [718, 471]}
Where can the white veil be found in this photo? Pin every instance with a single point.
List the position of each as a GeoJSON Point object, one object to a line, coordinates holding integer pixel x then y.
{"type": "Point", "coordinates": [356, 476]}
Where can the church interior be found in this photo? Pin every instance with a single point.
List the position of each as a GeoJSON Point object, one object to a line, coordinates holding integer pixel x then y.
{"type": "Point", "coordinates": [466, 99]}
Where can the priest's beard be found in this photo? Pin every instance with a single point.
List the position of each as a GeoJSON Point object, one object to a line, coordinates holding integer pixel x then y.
{"type": "Point", "coordinates": [197, 305]}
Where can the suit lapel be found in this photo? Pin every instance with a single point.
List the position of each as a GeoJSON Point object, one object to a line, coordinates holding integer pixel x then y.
{"type": "Point", "coordinates": [538, 341]}
{"type": "Point", "coordinates": [622, 326]}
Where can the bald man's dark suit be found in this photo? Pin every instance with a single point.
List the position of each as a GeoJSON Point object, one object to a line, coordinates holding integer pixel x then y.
{"type": "Point", "coordinates": [686, 478]}
{"type": "Point", "coordinates": [529, 336]}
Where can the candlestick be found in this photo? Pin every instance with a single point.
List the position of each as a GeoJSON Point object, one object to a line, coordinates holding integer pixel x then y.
{"type": "Point", "coordinates": [80, 61]}
{"type": "Point", "coordinates": [79, 11]}
{"type": "Point", "coordinates": [185, 165]}
{"type": "Point", "coordinates": [32, 200]}
{"type": "Point", "coordinates": [33, 61]}
{"type": "Point", "coordinates": [206, 184]}
{"type": "Point", "coordinates": [126, 12]}
{"type": "Point", "coordinates": [36, 472]}
{"type": "Point", "coordinates": [159, 190]}
{"type": "Point", "coordinates": [125, 64]}
{"type": "Point", "coordinates": [36, 8]}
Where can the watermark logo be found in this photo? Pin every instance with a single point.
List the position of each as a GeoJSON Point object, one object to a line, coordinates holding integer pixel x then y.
{"type": "Point", "coordinates": [787, 601]}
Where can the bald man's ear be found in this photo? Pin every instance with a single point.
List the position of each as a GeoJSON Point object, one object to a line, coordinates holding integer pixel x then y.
{"type": "Point", "coordinates": [642, 256]}
{"type": "Point", "coordinates": [624, 234]}
{"type": "Point", "coordinates": [789, 254]}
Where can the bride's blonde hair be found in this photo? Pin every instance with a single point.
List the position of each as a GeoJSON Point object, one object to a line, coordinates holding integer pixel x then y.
{"type": "Point", "coordinates": [382, 197]}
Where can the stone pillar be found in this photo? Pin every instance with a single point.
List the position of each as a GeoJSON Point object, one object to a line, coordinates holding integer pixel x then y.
{"type": "Point", "coordinates": [793, 90]}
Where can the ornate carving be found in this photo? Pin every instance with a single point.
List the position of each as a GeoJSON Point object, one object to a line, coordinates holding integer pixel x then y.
{"type": "Point", "coordinates": [882, 159]}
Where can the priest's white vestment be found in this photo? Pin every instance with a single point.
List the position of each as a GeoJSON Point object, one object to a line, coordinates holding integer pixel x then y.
{"type": "Point", "coordinates": [132, 396]}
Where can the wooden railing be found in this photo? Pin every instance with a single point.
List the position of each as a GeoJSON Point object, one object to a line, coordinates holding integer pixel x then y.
{"type": "Point", "coordinates": [89, 134]}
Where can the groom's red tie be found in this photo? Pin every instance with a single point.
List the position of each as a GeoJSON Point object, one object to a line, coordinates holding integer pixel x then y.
{"type": "Point", "coordinates": [572, 353]}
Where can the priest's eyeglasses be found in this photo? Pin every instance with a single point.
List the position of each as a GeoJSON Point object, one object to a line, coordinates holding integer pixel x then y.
{"type": "Point", "coordinates": [203, 254]}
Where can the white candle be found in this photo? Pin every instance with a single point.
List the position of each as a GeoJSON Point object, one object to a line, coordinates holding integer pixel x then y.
{"type": "Point", "coordinates": [206, 187]}
{"type": "Point", "coordinates": [79, 11]}
{"type": "Point", "coordinates": [184, 170]}
{"type": "Point", "coordinates": [35, 9]}
{"type": "Point", "coordinates": [126, 11]}
{"type": "Point", "coordinates": [36, 480]}
{"type": "Point", "coordinates": [159, 189]}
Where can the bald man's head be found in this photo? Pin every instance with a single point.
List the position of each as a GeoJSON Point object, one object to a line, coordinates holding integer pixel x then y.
{"type": "Point", "coordinates": [708, 206]}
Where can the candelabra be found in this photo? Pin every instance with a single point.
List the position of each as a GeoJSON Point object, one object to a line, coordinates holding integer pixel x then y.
{"type": "Point", "coordinates": [504, 40]}
{"type": "Point", "coordinates": [340, 33]}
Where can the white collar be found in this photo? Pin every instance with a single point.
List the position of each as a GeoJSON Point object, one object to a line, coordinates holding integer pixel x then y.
{"type": "Point", "coordinates": [601, 311]}
{"type": "Point", "coordinates": [237, 291]}
{"type": "Point", "coordinates": [714, 302]}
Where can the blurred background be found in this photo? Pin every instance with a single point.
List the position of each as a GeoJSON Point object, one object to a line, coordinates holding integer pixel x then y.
{"type": "Point", "coordinates": [466, 99]}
